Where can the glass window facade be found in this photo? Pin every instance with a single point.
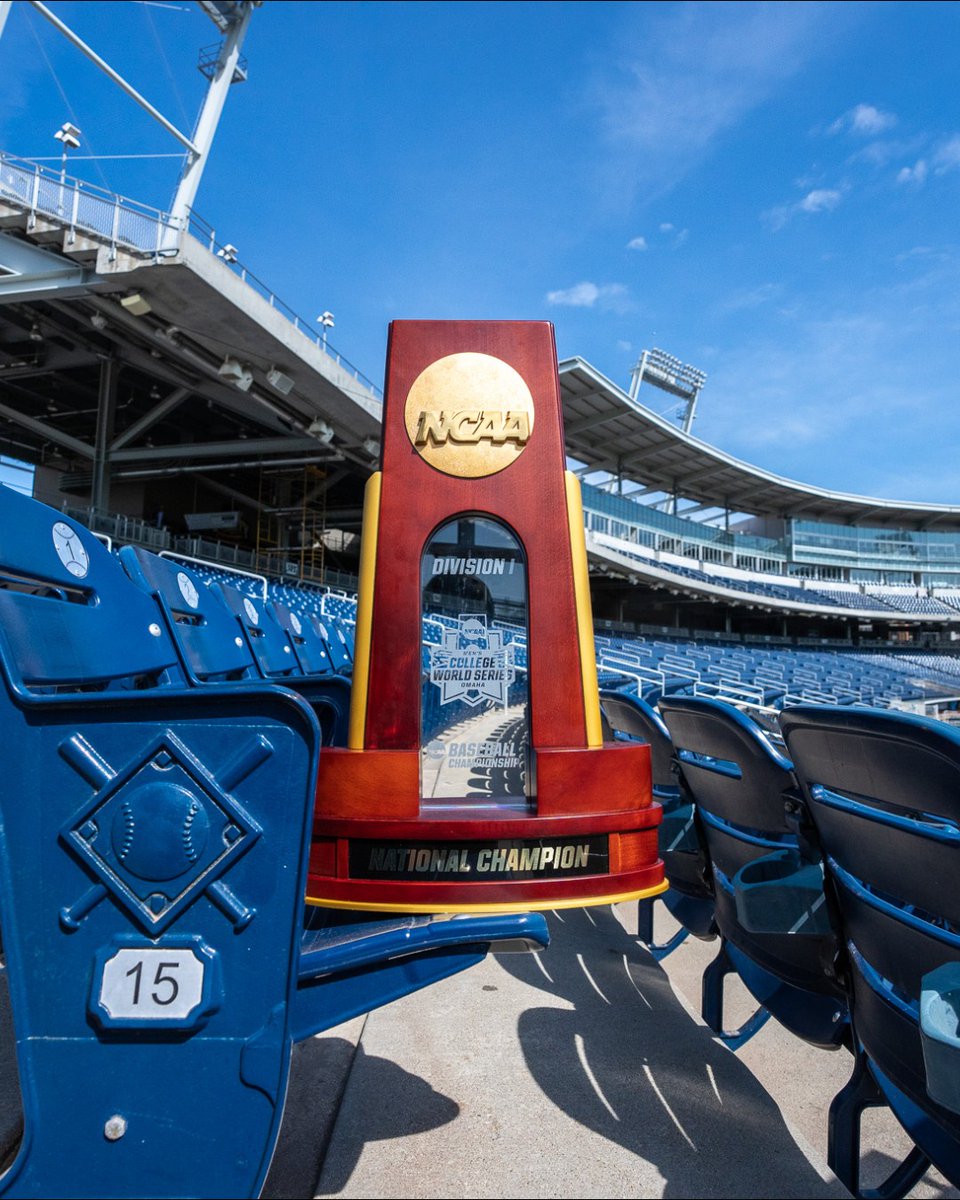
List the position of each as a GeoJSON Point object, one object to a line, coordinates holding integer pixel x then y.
{"type": "Point", "coordinates": [810, 549]}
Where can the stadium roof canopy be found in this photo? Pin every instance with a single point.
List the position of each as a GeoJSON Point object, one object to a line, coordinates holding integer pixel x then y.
{"type": "Point", "coordinates": [128, 355]}
{"type": "Point", "coordinates": [607, 430]}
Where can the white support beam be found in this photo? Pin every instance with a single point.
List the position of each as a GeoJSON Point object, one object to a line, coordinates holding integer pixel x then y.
{"type": "Point", "coordinates": [210, 117]}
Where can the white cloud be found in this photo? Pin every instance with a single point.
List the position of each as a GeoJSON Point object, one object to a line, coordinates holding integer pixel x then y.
{"type": "Point", "coordinates": [624, 346]}
{"type": "Point", "coordinates": [863, 119]}
{"type": "Point", "coordinates": [915, 174]}
{"type": "Point", "coordinates": [683, 74]}
{"type": "Point", "coordinates": [680, 235]}
{"type": "Point", "coordinates": [586, 295]}
{"type": "Point", "coordinates": [747, 298]}
{"type": "Point", "coordinates": [820, 200]}
{"type": "Point", "coordinates": [817, 201]}
{"type": "Point", "coordinates": [947, 156]}
{"type": "Point", "coordinates": [637, 243]}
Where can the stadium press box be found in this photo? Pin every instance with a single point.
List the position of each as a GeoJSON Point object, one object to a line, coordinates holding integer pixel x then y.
{"type": "Point", "coordinates": [476, 776]}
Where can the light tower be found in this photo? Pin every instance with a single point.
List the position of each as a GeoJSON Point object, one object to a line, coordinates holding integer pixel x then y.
{"type": "Point", "coordinates": [670, 375]}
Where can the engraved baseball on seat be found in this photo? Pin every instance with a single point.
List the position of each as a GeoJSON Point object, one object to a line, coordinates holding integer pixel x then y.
{"type": "Point", "coordinates": [159, 831]}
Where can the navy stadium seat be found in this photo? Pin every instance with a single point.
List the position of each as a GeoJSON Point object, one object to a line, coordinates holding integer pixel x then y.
{"type": "Point", "coordinates": [268, 643]}
{"type": "Point", "coordinates": [770, 905]}
{"type": "Point", "coordinates": [339, 646]}
{"type": "Point", "coordinates": [690, 898]}
{"type": "Point", "coordinates": [310, 649]}
{"type": "Point", "coordinates": [205, 634]}
{"type": "Point", "coordinates": [883, 792]}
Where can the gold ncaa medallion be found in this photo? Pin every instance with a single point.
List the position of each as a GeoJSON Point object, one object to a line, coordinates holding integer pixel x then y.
{"type": "Point", "coordinates": [469, 415]}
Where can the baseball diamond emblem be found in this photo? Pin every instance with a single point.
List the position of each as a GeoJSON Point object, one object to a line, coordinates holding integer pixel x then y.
{"type": "Point", "coordinates": [250, 610]}
{"type": "Point", "coordinates": [295, 624]}
{"type": "Point", "coordinates": [162, 830]}
{"type": "Point", "coordinates": [70, 550]}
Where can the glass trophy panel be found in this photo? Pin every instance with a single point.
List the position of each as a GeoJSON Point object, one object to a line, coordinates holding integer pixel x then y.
{"type": "Point", "coordinates": [475, 709]}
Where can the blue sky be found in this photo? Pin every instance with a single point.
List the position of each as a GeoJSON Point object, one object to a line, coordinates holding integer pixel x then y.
{"type": "Point", "coordinates": [767, 191]}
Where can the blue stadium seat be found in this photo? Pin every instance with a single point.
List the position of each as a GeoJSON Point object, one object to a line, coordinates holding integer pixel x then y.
{"type": "Point", "coordinates": [268, 643]}
{"type": "Point", "coordinates": [205, 634]}
{"type": "Point", "coordinates": [217, 639]}
{"type": "Point", "coordinates": [770, 904]}
{"type": "Point", "coordinates": [310, 649]}
{"type": "Point", "coordinates": [690, 898]}
{"type": "Point", "coordinates": [883, 792]}
{"type": "Point", "coordinates": [333, 634]}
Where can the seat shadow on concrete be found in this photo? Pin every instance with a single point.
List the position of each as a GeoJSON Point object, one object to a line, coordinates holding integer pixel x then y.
{"type": "Point", "coordinates": [630, 1063]}
{"type": "Point", "coordinates": [395, 1104]}
{"type": "Point", "coordinates": [11, 1101]}
{"type": "Point", "coordinates": [318, 1075]}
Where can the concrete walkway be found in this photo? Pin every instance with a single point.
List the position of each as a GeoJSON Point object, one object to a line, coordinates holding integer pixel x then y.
{"type": "Point", "coordinates": [578, 1072]}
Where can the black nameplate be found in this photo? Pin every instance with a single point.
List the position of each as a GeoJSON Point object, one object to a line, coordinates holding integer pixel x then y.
{"type": "Point", "coordinates": [543, 858]}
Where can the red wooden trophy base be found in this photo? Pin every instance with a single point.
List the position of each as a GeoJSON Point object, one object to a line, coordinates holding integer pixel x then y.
{"type": "Point", "coordinates": [463, 863]}
{"type": "Point", "coordinates": [473, 449]}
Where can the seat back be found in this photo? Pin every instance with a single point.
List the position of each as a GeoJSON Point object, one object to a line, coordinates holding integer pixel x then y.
{"type": "Point", "coordinates": [210, 645]}
{"type": "Point", "coordinates": [68, 617]}
{"type": "Point", "coordinates": [312, 654]}
{"type": "Point", "coordinates": [145, 864]}
{"type": "Point", "coordinates": [634, 718]}
{"type": "Point", "coordinates": [770, 900]}
{"type": "Point", "coordinates": [679, 837]}
{"type": "Point", "coordinates": [339, 646]}
{"type": "Point", "coordinates": [736, 777]}
{"type": "Point", "coordinates": [268, 643]}
{"type": "Point", "coordinates": [883, 790]}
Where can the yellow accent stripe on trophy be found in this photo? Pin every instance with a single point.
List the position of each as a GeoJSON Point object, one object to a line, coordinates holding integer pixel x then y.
{"type": "Point", "coordinates": [362, 638]}
{"type": "Point", "coordinates": [581, 591]}
{"type": "Point", "coordinates": [481, 906]}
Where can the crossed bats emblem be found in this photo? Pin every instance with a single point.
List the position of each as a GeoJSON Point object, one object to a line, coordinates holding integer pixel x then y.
{"type": "Point", "coordinates": [161, 831]}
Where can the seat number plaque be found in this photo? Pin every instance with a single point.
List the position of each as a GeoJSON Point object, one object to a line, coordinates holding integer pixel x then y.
{"type": "Point", "coordinates": [151, 984]}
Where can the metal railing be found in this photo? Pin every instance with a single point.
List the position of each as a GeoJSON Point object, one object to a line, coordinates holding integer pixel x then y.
{"type": "Point", "coordinates": [207, 565]}
{"type": "Point", "coordinates": [207, 235]}
{"type": "Point", "coordinates": [84, 207]}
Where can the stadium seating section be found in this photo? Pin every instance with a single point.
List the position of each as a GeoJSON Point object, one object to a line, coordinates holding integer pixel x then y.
{"type": "Point", "coordinates": [152, 725]}
{"type": "Point", "coordinates": [810, 828]}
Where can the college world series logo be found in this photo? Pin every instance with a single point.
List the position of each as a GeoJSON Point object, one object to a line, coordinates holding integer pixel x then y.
{"type": "Point", "coordinates": [473, 664]}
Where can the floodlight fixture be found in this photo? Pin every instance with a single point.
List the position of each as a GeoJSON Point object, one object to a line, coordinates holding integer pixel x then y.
{"type": "Point", "coordinates": [228, 253]}
{"type": "Point", "coordinates": [319, 429]}
{"type": "Point", "coordinates": [325, 320]}
{"type": "Point", "coordinates": [136, 305]}
{"type": "Point", "coordinates": [669, 374]}
{"type": "Point", "coordinates": [69, 135]}
{"type": "Point", "coordinates": [279, 380]}
{"type": "Point", "coordinates": [236, 373]}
